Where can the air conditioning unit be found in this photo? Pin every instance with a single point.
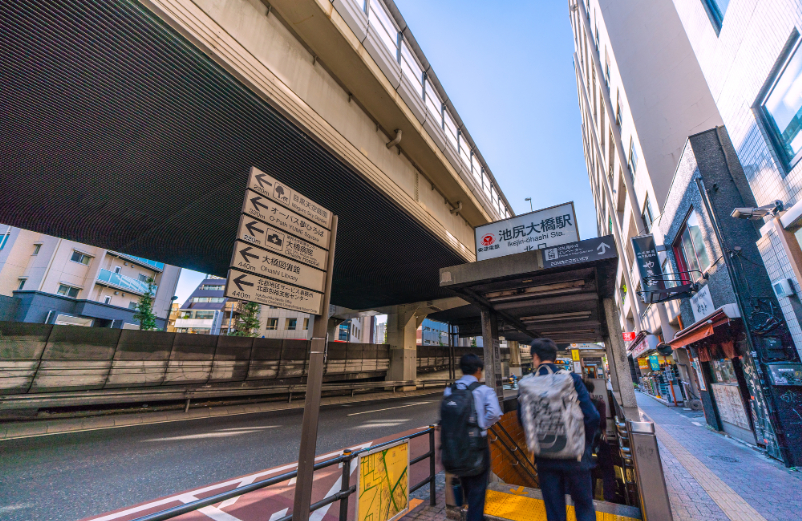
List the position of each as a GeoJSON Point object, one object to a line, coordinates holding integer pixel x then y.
{"type": "Point", "coordinates": [783, 288]}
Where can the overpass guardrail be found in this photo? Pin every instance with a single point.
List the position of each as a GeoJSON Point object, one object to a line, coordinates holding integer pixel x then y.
{"type": "Point", "coordinates": [342, 496]}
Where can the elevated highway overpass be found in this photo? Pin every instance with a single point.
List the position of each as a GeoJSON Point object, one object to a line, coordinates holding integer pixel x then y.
{"type": "Point", "coordinates": [133, 125]}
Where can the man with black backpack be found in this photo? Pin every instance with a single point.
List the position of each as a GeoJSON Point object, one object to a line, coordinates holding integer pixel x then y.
{"type": "Point", "coordinates": [469, 408]}
{"type": "Point", "coordinates": [560, 423]}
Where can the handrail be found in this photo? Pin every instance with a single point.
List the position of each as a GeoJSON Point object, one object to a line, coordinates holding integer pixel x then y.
{"type": "Point", "coordinates": [343, 494]}
{"type": "Point", "coordinates": [512, 452]}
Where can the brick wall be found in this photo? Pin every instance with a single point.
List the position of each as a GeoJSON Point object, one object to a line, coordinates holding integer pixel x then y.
{"type": "Point", "coordinates": [505, 464]}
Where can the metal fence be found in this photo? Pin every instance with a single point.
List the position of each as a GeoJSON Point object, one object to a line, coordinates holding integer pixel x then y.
{"type": "Point", "coordinates": [342, 496]}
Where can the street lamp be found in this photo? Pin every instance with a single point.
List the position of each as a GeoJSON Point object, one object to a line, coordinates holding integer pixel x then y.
{"type": "Point", "coordinates": [530, 203]}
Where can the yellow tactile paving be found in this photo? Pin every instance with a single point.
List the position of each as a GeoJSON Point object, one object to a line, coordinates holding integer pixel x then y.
{"type": "Point", "coordinates": [516, 507]}
{"type": "Point", "coordinates": [733, 505]}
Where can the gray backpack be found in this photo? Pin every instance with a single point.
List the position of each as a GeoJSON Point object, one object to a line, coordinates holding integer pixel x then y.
{"type": "Point", "coordinates": [551, 416]}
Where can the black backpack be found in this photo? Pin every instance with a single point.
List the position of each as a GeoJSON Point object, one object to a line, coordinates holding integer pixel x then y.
{"type": "Point", "coordinates": [462, 445]}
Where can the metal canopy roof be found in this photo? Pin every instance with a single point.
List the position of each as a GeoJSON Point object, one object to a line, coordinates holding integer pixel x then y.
{"type": "Point", "coordinates": [534, 298]}
{"type": "Point", "coordinates": [119, 133]}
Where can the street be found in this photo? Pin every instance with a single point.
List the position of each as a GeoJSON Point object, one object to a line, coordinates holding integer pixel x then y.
{"type": "Point", "coordinates": [72, 476]}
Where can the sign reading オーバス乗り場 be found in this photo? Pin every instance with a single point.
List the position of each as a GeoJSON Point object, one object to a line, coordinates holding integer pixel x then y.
{"type": "Point", "coordinates": [280, 255]}
{"type": "Point", "coordinates": [532, 231]}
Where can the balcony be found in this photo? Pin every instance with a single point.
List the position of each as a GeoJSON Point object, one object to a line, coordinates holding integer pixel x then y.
{"type": "Point", "coordinates": [153, 265]}
{"type": "Point", "coordinates": [115, 280]}
{"type": "Point", "coordinates": [198, 323]}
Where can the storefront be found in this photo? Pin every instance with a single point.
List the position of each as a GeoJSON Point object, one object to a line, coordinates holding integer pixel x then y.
{"type": "Point", "coordinates": [717, 344]}
{"type": "Point", "coordinates": [658, 370]}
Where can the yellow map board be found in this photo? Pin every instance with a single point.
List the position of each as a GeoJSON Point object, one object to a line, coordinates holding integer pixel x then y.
{"type": "Point", "coordinates": [383, 483]}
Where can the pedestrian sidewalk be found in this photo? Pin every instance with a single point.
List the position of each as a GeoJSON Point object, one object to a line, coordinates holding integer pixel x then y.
{"type": "Point", "coordinates": [711, 477]}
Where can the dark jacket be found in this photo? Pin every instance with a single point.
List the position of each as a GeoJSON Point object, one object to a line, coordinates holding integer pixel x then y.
{"type": "Point", "coordinates": [591, 426]}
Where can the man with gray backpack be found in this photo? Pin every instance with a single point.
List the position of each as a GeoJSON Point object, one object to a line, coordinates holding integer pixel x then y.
{"type": "Point", "coordinates": [468, 409]}
{"type": "Point", "coordinates": [560, 422]}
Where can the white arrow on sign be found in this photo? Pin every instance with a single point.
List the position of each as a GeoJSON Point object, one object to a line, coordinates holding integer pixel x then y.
{"type": "Point", "coordinates": [602, 248]}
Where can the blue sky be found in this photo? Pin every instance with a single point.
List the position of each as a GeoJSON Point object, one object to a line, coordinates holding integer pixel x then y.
{"type": "Point", "coordinates": [507, 67]}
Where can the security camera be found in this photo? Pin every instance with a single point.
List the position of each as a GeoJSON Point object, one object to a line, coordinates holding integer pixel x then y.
{"type": "Point", "coordinates": [757, 214]}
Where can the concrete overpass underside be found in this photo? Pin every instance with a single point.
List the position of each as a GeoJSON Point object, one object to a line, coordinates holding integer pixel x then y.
{"type": "Point", "coordinates": [119, 132]}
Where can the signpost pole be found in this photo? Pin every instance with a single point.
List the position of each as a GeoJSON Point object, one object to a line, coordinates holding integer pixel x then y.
{"type": "Point", "coordinates": [314, 382]}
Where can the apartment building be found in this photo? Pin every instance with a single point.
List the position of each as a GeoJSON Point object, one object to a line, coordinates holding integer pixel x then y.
{"type": "Point", "coordinates": [207, 311]}
{"type": "Point", "coordinates": [49, 280]}
{"type": "Point", "coordinates": [432, 333]}
{"type": "Point", "coordinates": [285, 323]}
{"type": "Point", "coordinates": [637, 112]}
{"type": "Point", "coordinates": [691, 109]}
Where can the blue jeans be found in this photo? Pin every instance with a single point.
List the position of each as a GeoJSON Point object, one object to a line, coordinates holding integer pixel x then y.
{"type": "Point", "coordinates": [553, 485]}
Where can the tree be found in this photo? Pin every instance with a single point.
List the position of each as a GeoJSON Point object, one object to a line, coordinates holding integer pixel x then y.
{"type": "Point", "coordinates": [144, 308]}
{"type": "Point", "coordinates": [248, 321]}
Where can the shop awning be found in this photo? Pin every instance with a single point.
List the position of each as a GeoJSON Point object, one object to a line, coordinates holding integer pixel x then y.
{"type": "Point", "coordinates": [705, 327]}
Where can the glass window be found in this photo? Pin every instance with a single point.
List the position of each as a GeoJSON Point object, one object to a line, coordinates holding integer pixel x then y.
{"type": "Point", "coordinates": [36, 248]}
{"type": "Point", "coordinates": [493, 195]}
{"type": "Point", "coordinates": [306, 324]}
{"type": "Point", "coordinates": [385, 27]}
{"type": "Point", "coordinates": [21, 284]}
{"type": "Point", "coordinates": [204, 315]}
{"type": "Point", "coordinates": [464, 151]}
{"type": "Point", "coordinates": [212, 287]}
{"type": "Point", "coordinates": [411, 69]}
{"type": "Point", "coordinates": [619, 112]}
{"type": "Point", "coordinates": [3, 239]}
{"type": "Point", "coordinates": [723, 372]}
{"type": "Point", "coordinates": [606, 65]}
{"type": "Point", "coordinates": [107, 299]}
{"type": "Point", "coordinates": [475, 165]}
{"type": "Point", "coordinates": [68, 291]}
{"type": "Point", "coordinates": [668, 275]}
{"type": "Point", "coordinates": [81, 257]}
{"type": "Point", "coordinates": [647, 215]}
{"type": "Point", "coordinates": [143, 278]}
{"type": "Point", "coordinates": [716, 9]}
{"type": "Point", "coordinates": [451, 129]}
{"type": "Point", "coordinates": [271, 324]}
{"type": "Point", "coordinates": [433, 103]}
{"type": "Point", "coordinates": [291, 322]}
{"type": "Point", "coordinates": [690, 250]}
{"type": "Point", "coordinates": [783, 109]}
{"type": "Point", "coordinates": [132, 305]}
{"type": "Point", "coordinates": [633, 157]}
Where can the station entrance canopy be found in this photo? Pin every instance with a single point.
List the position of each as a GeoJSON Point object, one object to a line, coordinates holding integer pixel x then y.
{"type": "Point", "coordinates": [555, 292]}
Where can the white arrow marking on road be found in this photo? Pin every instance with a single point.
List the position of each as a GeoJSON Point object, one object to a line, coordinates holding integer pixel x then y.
{"type": "Point", "coordinates": [602, 248]}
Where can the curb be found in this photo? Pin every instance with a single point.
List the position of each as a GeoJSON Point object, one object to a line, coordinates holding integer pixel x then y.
{"type": "Point", "coordinates": [15, 431]}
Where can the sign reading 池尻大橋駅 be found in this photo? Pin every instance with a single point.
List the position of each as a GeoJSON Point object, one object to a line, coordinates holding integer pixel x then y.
{"type": "Point", "coordinates": [260, 234]}
{"type": "Point", "coordinates": [267, 211]}
{"type": "Point", "coordinates": [532, 231]}
{"type": "Point", "coordinates": [277, 191]}
{"type": "Point", "coordinates": [254, 288]}
{"type": "Point", "coordinates": [256, 260]}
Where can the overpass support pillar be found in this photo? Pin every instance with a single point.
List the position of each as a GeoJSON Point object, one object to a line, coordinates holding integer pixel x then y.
{"type": "Point", "coordinates": [515, 358]}
{"type": "Point", "coordinates": [492, 350]}
{"type": "Point", "coordinates": [402, 326]}
{"type": "Point", "coordinates": [623, 390]}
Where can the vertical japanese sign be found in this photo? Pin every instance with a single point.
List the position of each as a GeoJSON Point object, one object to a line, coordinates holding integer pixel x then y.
{"type": "Point", "coordinates": [531, 231]}
{"type": "Point", "coordinates": [651, 274]}
{"type": "Point", "coordinates": [281, 251]}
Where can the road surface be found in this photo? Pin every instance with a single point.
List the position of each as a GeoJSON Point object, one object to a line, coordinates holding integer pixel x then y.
{"type": "Point", "coordinates": [72, 476]}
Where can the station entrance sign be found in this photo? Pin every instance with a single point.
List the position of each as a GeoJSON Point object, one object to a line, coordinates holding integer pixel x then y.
{"type": "Point", "coordinates": [531, 231]}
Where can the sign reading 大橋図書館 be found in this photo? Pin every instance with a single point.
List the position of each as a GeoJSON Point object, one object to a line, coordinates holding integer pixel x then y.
{"type": "Point", "coordinates": [531, 231]}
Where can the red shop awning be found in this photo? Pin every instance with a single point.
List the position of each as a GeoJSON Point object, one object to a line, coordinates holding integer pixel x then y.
{"type": "Point", "coordinates": [705, 327]}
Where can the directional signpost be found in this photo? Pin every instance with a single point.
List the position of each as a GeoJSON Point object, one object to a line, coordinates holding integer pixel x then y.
{"type": "Point", "coordinates": [284, 257]}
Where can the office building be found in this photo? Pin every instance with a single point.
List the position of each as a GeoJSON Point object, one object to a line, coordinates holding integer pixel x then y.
{"type": "Point", "coordinates": [49, 280]}
{"type": "Point", "coordinates": [207, 311]}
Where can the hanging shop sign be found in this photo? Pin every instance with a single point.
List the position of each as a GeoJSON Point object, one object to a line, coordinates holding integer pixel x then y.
{"type": "Point", "coordinates": [654, 363]}
{"type": "Point", "coordinates": [531, 231]}
{"type": "Point", "coordinates": [651, 274]}
{"type": "Point", "coordinates": [629, 336]}
{"type": "Point", "coordinates": [702, 303]}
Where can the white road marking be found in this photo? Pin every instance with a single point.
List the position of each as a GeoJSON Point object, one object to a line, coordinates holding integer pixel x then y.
{"type": "Point", "coordinates": [203, 436]}
{"type": "Point", "coordinates": [373, 425]}
{"type": "Point", "coordinates": [293, 481]}
{"type": "Point", "coordinates": [278, 515]}
{"type": "Point", "coordinates": [318, 514]}
{"type": "Point", "coordinates": [389, 408]}
{"type": "Point", "coordinates": [210, 511]}
{"type": "Point", "coordinates": [210, 488]}
{"type": "Point", "coordinates": [249, 428]}
{"type": "Point", "coordinates": [398, 420]}
{"type": "Point", "coordinates": [697, 424]}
